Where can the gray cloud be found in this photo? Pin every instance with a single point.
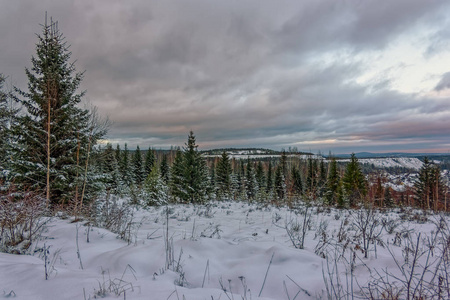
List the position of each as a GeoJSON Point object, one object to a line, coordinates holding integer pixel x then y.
{"type": "Point", "coordinates": [241, 73]}
{"type": "Point", "coordinates": [444, 83]}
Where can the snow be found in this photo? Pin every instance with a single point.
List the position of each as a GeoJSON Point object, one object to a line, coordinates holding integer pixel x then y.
{"type": "Point", "coordinates": [224, 251]}
{"type": "Point", "coordinates": [267, 156]}
{"type": "Point", "coordinates": [405, 162]}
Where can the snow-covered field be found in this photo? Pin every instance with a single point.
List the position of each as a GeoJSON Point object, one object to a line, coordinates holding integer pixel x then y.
{"type": "Point", "coordinates": [225, 250]}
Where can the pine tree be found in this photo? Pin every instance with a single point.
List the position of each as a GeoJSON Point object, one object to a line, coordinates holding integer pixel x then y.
{"type": "Point", "coordinates": [150, 162]}
{"type": "Point", "coordinates": [138, 171]}
{"type": "Point", "coordinates": [333, 188]}
{"type": "Point", "coordinates": [164, 169]}
{"type": "Point", "coordinates": [223, 175]}
{"type": "Point", "coordinates": [53, 134]}
{"type": "Point", "coordinates": [354, 183]}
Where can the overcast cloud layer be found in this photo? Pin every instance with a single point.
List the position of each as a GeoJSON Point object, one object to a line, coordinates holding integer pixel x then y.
{"type": "Point", "coordinates": [340, 76]}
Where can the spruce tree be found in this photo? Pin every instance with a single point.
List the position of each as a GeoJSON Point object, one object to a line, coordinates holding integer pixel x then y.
{"type": "Point", "coordinates": [297, 187]}
{"type": "Point", "coordinates": [269, 184]}
{"type": "Point", "coordinates": [242, 180]}
{"type": "Point", "coordinates": [177, 188]}
{"type": "Point", "coordinates": [388, 201]}
{"type": "Point", "coordinates": [283, 164]}
{"type": "Point", "coordinates": [7, 120]}
{"type": "Point", "coordinates": [223, 176]}
{"type": "Point", "coordinates": [212, 189]}
{"type": "Point", "coordinates": [280, 185]}
{"type": "Point", "coordinates": [322, 178]}
{"type": "Point", "coordinates": [354, 182]}
{"type": "Point", "coordinates": [118, 155]}
{"type": "Point", "coordinates": [428, 188]}
{"type": "Point", "coordinates": [195, 172]}
{"type": "Point", "coordinates": [110, 169]}
{"type": "Point", "coordinates": [156, 191]}
{"type": "Point", "coordinates": [333, 188]}
{"type": "Point", "coordinates": [53, 135]}
{"type": "Point", "coordinates": [311, 178]}
{"type": "Point", "coordinates": [251, 185]}
{"type": "Point", "coordinates": [260, 178]}
{"type": "Point", "coordinates": [124, 166]}
{"type": "Point", "coordinates": [150, 162]}
{"type": "Point", "coordinates": [164, 169]}
{"type": "Point", "coordinates": [138, 171]}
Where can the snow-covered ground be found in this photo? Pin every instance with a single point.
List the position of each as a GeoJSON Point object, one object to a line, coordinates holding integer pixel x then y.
{"type": "Point", "coordinates": [225, 250]}
{"type": "Point", "coordinates": [404, 162]}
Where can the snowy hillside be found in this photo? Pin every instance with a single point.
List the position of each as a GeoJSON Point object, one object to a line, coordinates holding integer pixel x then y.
{"type": "Point", "coordinates": [404, 162]}
{"type": "Point", "coordinates": [222, 251]}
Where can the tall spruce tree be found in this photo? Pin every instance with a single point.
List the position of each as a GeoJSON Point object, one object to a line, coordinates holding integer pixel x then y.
{"type": "Point", "coordinates": [333, 187]}
{"type": "Point", "coordinates": [297, 186]}
{"type": "Point", "coordinates": [223, 176]}
{"type": "Point", "coordinates": [150, 162]}
{"type": "Point", "coordinates": [164, 169]}
{"type": "Point", "coordinates": [251, 184]}
{"type": "Point", "coordinates": [260, 177]}
{"type": "Point", "coordinates": [428, 188]}
{"type": "Point", "coordinates": [280, 185]}
{"type": "Point", "coordinates": [269, 184]}
{"type": "Point", "coordinates": [137, 167]}
{"type": "Point", "coordinates": [156, 191]}
{"type": "Point", "coordinates": [311, 178]}
{"type": "Point", "coordinates": [124, 166]}
{"type": "Point", "coordinates": [195, 172]}
{"type": "Point", "coordinates": [283, 164]}
{"type": "Point", "coordinates": [354, 182]}
{"type": "Point", "coordinates": [177, 188]}
{"type": "Point", "coordinates": [110, 169]}
{"type": "Point", "coordinates": [7, 119]}
{"type": "Point", "coordinates": [388, 201]}
{"type": "Point", "coordinates": [54, 134]}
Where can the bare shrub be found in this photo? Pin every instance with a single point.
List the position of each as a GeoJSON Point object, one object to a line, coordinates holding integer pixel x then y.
{"type": "Point", "coordinates": [22, 220]}
{"type": "Point", "coordinates": [422, 271]}
{"type": "Point", "coordinates": [296, 230]}
{"type": "Point", "coordinates": [116, 216]}
{"type": "Point", "coordinates": [369, 228]}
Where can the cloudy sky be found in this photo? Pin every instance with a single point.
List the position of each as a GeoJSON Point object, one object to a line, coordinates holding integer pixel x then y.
{"type": "Point", "coordinates": [338, 75]}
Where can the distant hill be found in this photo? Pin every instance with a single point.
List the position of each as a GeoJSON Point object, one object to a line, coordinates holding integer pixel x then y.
{"type": "Point", "coordinates": [248, 151]}
{"type": "Point", "coordinates": [390, 154]}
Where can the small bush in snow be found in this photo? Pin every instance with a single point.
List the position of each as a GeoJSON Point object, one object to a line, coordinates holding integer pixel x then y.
{"type": "Point", "coordinates": [22, 220]}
